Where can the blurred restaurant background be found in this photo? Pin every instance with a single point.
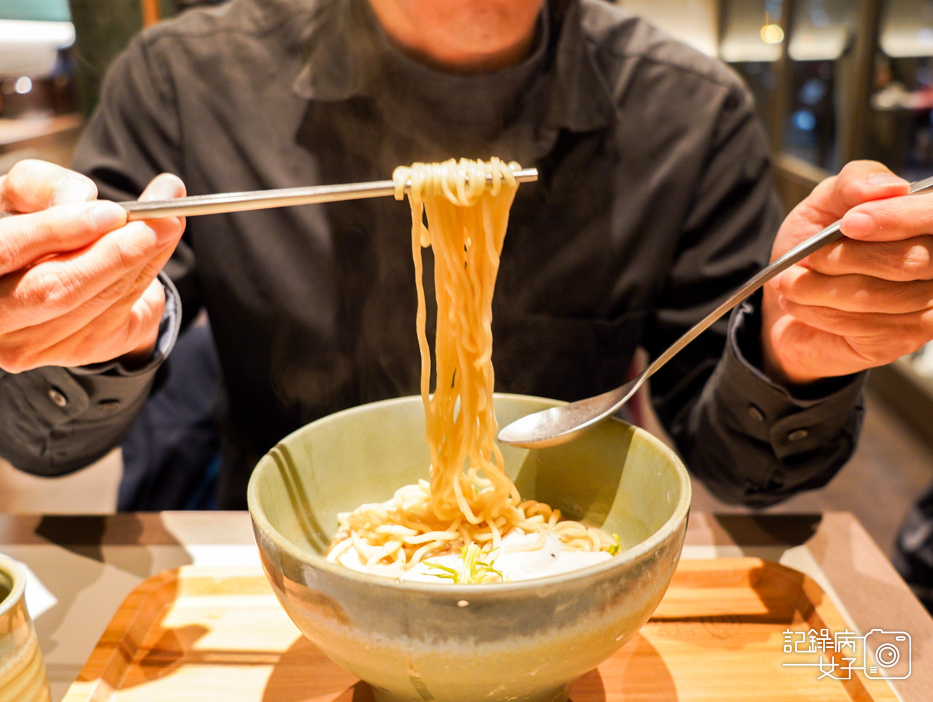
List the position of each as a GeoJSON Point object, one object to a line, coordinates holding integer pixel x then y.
{"type": "Point", "coordinates": [835, 80]}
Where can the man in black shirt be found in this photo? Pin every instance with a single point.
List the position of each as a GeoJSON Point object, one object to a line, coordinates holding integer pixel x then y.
{"type": "Point", "coordinates": [654, 202]}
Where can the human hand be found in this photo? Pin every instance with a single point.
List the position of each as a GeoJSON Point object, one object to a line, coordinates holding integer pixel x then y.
{"type": "Point", "coordinates": [862, 301]}
{"type": "Point", "coordinates": [77, 282]}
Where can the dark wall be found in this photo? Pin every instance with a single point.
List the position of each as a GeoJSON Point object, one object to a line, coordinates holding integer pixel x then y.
{"type": "Point", "coordinates": [102, 29]}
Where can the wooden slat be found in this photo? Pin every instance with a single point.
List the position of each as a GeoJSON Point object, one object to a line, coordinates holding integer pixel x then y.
{"type": "Point", "coordinates": [219, 634]}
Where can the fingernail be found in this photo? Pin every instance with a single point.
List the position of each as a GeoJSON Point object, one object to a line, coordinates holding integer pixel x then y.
{"type": "Point", "coordinates": [162, 191]}
{"type": "Point", "coordinates": [73, 191]}
{"type": "Point", "coordinates": [107, 215]}
{"type": "Point", "coordinates": [162, 188]}
{"type": "Point", "coordinates": [883, 180]}
{"type": "Point", "coordinates": [856, 224]}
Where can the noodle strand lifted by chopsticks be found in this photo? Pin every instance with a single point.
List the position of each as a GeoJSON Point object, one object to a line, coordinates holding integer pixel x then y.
{"type": "Point", "coordinates": [469, 498]}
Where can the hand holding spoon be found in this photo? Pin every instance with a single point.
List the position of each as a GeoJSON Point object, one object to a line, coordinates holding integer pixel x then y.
{"type": "Point", "coordinates": [559, 425]}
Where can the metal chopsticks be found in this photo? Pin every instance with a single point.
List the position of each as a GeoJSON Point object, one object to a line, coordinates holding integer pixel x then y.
{"type": "Point", "coordinates": [264, 199]}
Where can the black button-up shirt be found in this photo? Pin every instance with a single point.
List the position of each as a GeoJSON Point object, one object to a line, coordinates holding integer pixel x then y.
{"type": "Point", "coordinates": [654, 202]}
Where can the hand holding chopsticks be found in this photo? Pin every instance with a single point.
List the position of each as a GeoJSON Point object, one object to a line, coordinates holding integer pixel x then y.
{"type": "Point", "coordinates": [266, 199]}
{"type": "Point", "coordinates": [78, 283]}
{"type": "Point", "coordinates": [81, 273]}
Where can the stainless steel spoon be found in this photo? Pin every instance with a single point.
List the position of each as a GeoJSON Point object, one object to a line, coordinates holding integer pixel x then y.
{"type": "Point", "coordinates": [559, 425]}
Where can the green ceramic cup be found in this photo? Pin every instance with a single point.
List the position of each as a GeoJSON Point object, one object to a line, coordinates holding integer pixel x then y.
{"type": "Point", "coordinates": [524, 641]}
{"type": "Point", "coordinates": [22, 671]}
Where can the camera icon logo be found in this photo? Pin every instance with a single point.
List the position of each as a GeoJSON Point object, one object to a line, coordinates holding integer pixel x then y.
{"type": "Point", "coordinates": [891, 651]}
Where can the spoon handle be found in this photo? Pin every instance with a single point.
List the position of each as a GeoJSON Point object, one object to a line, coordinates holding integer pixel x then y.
{"type": "Point", "coordinates": [796, 254]}
{"type": "Point", "coordinates": [563, 423]}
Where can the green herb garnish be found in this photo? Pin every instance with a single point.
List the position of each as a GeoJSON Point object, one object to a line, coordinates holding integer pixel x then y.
{"type": "Point", "coordinates": [614, 549]}
{"type": "Point", "coordinates": [475, 570]}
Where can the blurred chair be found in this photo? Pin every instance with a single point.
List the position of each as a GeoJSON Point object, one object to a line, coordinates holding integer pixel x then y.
{"type": "Point", "coordinates": [913, 555]}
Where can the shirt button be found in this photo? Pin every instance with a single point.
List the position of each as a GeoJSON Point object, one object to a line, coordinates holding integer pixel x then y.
{"type": "Point", "coordinates": [58, 397]}
{"type": "Point", "coordinates": [798, 435]}
{"type": "Point", "coordinates": [756, 413]}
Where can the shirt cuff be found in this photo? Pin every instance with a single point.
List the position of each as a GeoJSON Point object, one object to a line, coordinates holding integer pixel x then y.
{"type": "Point", "coordinates": [772, 413]}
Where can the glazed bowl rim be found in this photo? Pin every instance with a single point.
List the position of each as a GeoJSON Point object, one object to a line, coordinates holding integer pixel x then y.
{"type": "Point", "coordinates": [666, 531]}
{"type": "Point", "coordinates": [14, 569]}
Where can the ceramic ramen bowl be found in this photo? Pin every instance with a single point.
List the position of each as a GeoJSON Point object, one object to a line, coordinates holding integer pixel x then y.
{"type": "Point", "coordinates": [524, 640]}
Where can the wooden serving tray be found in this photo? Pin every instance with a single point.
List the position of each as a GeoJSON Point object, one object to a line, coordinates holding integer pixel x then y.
{"type": "Point", "coordinates": [720, 633]}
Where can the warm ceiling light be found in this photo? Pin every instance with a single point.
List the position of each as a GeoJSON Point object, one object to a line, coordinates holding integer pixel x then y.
{"type": "Point", "coordinates": [772, 34]}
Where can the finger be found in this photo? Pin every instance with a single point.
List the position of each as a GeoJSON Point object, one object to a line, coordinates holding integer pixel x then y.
{"type": "Point", "coordinates": [165, 187]}
{"type": "Point", "coordinates": [141, 330]}
{"type": "Point", "coordinates": [879, 337]}
{"type": "Point", "coordinates": [104, 327]}
{"type": "Point", "coordinates": [146, 317]}
{"type": "Point", "coordinates": [806, 349]}
{"type": "Point", "coordinates": [908, 259]}
{"type": "Point", "coordinates": [866, 181]}
{"type": "Point", "coordinates": [855, 293]}
{"type": "Point", "coordinates": [890, 219]}
{"type": "Point", "coordinates": [830, 200]}
{"type": "Point", "coordinates": [60, 285]}
{"type": "Point", "coordinates": [857, 182]}
{"type": "Point", "coordinates": [33, 185]}
{"type": "Point", "coordinates": [27, 238]}
{"type": "Point", "coordinates": [122, 329]}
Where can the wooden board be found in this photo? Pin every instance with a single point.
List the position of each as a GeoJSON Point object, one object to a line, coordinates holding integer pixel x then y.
{"type": "Point", "coordinates": [727, 629]}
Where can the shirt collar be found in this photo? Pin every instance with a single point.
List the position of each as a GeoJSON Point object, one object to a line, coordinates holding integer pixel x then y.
{"type": "Point", "coordinates": [576, 96]}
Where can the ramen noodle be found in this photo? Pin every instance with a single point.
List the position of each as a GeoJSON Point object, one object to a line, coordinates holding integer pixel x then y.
{"type": "Point", "coordinates": [468, 500]}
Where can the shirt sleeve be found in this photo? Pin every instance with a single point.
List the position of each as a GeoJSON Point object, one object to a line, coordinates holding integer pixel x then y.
{"type": "Point", "coordinates": [749, 440]}
{"type": "Point", "coordinates": [754, 441]}
{"type": "Point", "coordinates": [56, 420]}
